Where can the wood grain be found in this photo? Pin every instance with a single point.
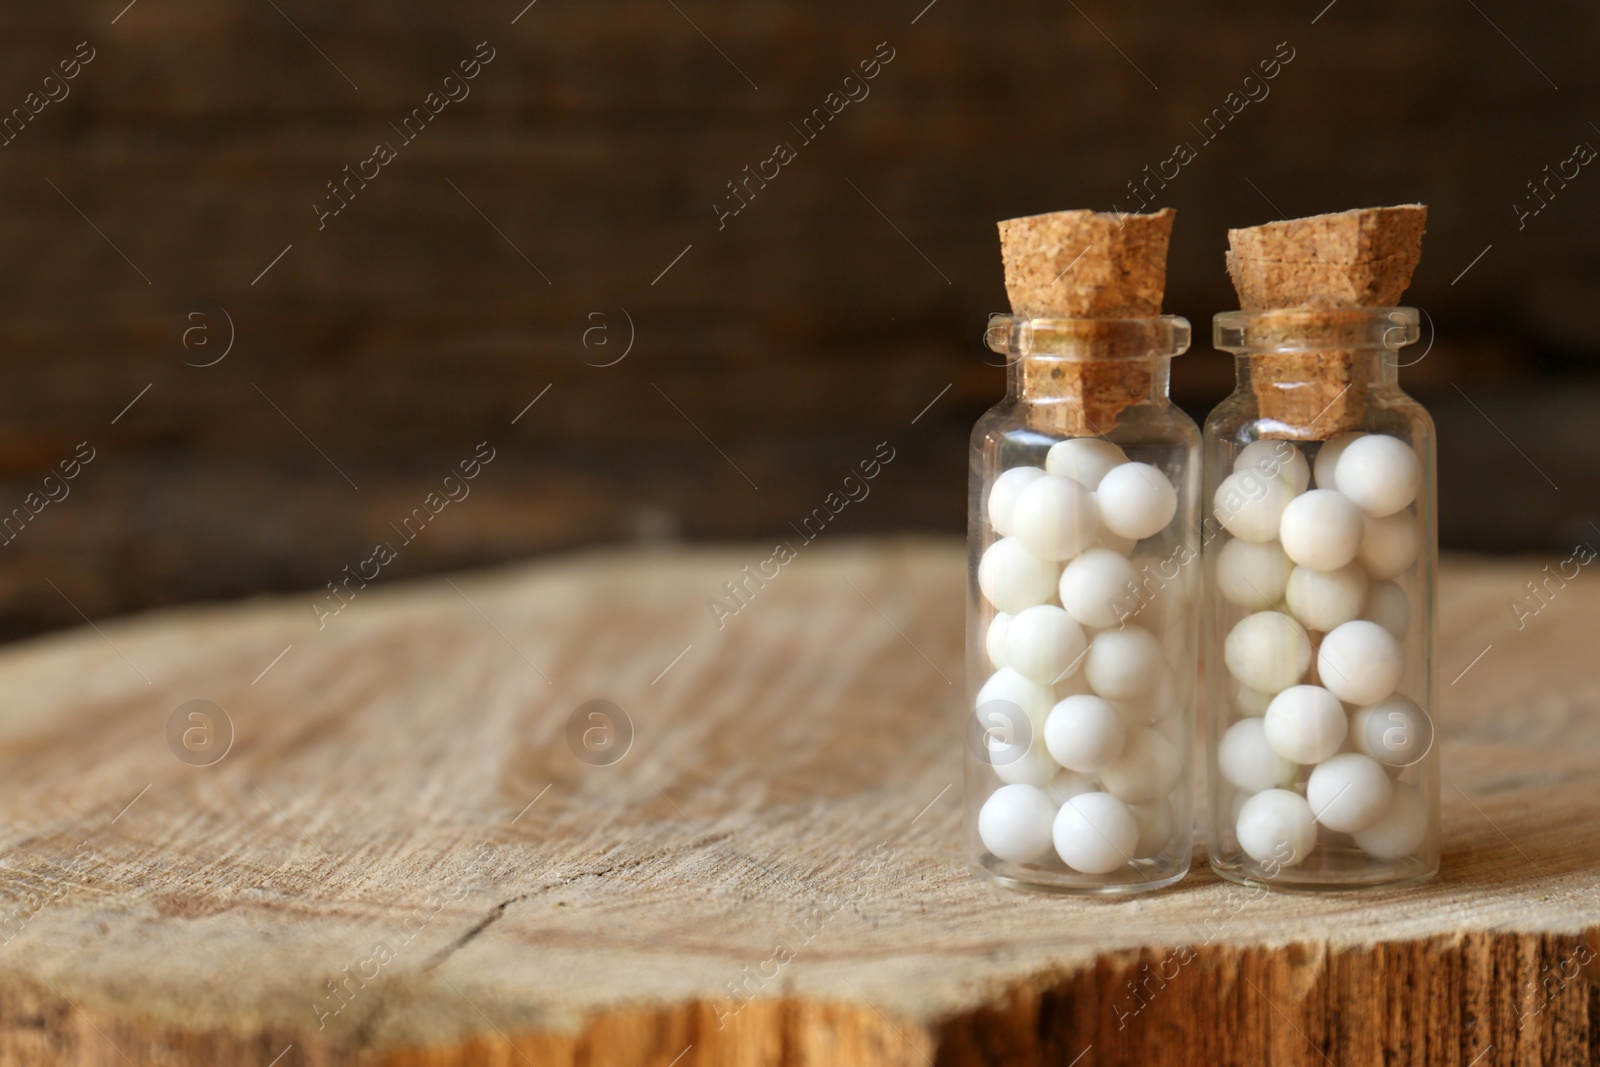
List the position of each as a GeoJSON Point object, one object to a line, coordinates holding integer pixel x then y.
{"type": "Point", "coordinates": [770, 875]}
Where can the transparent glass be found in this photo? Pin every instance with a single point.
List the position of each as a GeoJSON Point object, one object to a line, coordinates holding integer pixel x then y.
{"type": "Point", "coordinates": [1082, 624]}
{"type": "Point", "coordinates": [1320, 556]}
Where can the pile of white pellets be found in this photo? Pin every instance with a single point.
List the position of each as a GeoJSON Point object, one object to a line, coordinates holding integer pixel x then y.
{"type": "Point", "coordinates": [1081, 716]}
{"type": "Point", "coordinates": [1316, 626]}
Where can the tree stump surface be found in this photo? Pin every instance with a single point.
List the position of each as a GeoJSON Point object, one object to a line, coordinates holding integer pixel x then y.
{"type": "Point", "coordinates": [398, 857]}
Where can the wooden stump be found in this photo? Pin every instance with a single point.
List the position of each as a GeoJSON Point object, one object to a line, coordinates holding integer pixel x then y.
{"type": "Point", "coordinates": [400, 858]}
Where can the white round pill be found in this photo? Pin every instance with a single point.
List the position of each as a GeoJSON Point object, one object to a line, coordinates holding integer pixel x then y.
{"type": "Point", "coordinates": [994, 638]}
{"type": "Point", "coordinates": [1099, 588]}
{"type": "Point", "coordinates": [1108, 540]}
{"type": "Point", "coordinates": [1157, 823]}
{"type": "Point", "coordinates": [1008, 705]}
{"type": "Point", "coordinates": [1009, 688]}
{"type": "Point", "coordinates": [1043, 643]}
{"type": "Point", "coordinates": [1016, 764]}
{"type": "Point", "coordinates": [1161, 703]}
{"type": "Point", "coordinates": [1360, 662]}
{"type": "Point", "coordinates": [1348, 792]}
{"type": "Point", "coordinates": [1086, 460]}
{"type": "Point", "coordinates": [1321, 530]}
{"type": "Point", "coordinates": [1389, 607]}
{"type": "Point", "coordinates": [1003, 495]}
{"type": "Point", "coordinates": [1400, 830]}
{"type": "Point", "coordinates": [1380, 474]}
{"type": "Point", "coordinates": [1012, 578]}
{"type": "Point", "coordinates": [1279, 459]}
{"type": "Point", "coordinates": [1136, 500]}
{"type": "Point", "coordinates": [1054, 518]}
{"type": "Point", "coordinates": [1327, 460]}
{"type": "Point", "coordinates": [1325, 599]}
{"type": "Point", "coordinates": [1396, 733]}
{"type": "Point", "coordinates": [1095, 833]}
{"type": "Point", "coordinates": [1388, 545]}
{"type": "Point", "coordinates": [1177, 729]}
{"type": "Point", "coordinates": [1147, 768]}
{"type": "Point", "coordinates": [1015, 823]}
{"type": "Point", "coordinates": [1012, 711]}
{"type": "Point", "coordinates": [1267, 651]}
{"type": "Point", "coordinates": [1305, 724]}
{"type": "Point", "coordinates": [1084, 733]}
{"type": "Point", "coordinates": [1168, 612]}
{"type": "Point", "coordinates": [1276, 826]}
{"type": "Point", "coordinates": [1068, 784]}
{"type": "Point", "coordinates": [1250, 505]}
{"type": "Point", "coordinates": [1251, 703]}
{"type": "Point", "coordinates": [1072, 685]}
{"type": "Point", "coordinates": [1252, 574]}
{"type": "Point", "coordinates": [1122, 664]}
{"type": "Point", "coordinates": [1246, 759]}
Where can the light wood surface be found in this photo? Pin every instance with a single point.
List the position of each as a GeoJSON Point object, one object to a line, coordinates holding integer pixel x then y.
{"type": "Point", "coordinates": [784, 824]}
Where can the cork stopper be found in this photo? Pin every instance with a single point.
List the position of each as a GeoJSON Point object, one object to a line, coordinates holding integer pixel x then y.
{"type": "Point", "coordinates": [1086, 265]}
{"type": "Point", "coordinates": [1330, 265]}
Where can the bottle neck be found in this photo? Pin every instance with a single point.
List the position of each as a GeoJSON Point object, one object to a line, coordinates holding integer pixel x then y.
{"type": "Point", "coordinates": [1076, 376]}
{"type": "Point", "coordinates": [1378, 370]}
{"type": "Point", "coordinates": [1046, 380]}
{"type": "Point", "coordinates": [1312, 370]}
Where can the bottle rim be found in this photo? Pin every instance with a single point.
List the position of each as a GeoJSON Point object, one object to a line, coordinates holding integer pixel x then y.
{"type": "Point", "coordinates": [1288, 330]}
{"type": "Point", "coordinates": [1087, 339]}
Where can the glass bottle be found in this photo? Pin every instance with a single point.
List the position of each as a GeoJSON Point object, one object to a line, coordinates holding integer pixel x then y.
{"type": "Point", "coordinates": [1083, 592]}
{"type": "Point", "coordinates": [1320, 555]}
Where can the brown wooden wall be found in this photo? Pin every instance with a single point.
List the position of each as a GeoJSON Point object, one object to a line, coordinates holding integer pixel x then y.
{"type": "Point", "coordinates": [784, 344]}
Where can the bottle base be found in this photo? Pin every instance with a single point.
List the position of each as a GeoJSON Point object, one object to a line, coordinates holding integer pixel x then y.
{"type": "Point", "coordinates": [1332, 872]}
{"type": "Point", "coordinates": [1148, 877]}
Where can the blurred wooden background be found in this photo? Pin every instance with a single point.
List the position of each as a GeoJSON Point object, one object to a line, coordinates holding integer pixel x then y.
{"type": "Point", "coordinates": [774, 352]}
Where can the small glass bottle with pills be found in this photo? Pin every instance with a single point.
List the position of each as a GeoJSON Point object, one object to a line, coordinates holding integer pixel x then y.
{"type": "Point", "coordinates": [1084, 570]}
{"type": "Point", "coordinates": [1320, 557]}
